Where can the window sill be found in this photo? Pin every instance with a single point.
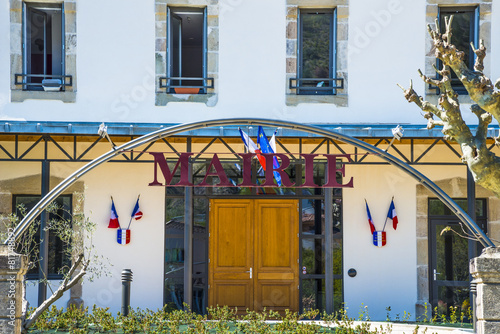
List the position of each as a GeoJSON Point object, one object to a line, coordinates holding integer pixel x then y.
{"type": "Point", "coordinates": [21, 95]}
{"type": "Point", "coordinates": [339, 100]}
{"type": "Point", "coordinates": [162, 99]}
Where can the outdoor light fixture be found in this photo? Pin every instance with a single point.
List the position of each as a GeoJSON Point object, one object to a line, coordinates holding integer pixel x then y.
{"type": "Point", "coordinates": [397, 133]}
{"type": "Point", "coordinates": [103, 132]}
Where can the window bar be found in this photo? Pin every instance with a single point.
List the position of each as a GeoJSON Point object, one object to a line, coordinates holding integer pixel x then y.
{"type": "Point", "coordinates": [333, 47]}
{"type": "Point", "coordinates": [44, 44]}
{"type": "Point", "coordinates": [205, 49]}
{"type": "Point", "coordinates": [63, 47]}
{"type": "Point", "coordinates": [180, 51]}
{"type": "Point", "coordinates": [24, 37]}
{"type": "Point", "coordinates": [168, 48]}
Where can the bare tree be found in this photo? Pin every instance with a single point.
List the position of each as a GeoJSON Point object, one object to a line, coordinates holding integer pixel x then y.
{"type": "Point", "coordinates": [483, 164]}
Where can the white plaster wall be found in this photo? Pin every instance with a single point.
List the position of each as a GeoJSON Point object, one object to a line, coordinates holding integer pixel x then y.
{"type": "Point", "coordinates": [115, 65]}
{"type": "Point", "coordinates": [379, 283]}
{"type": "Point", "coordinates": [386, 276]}
{"type": "Point", "coordinates": [4, 57]}
{"type": "Point", "coordinates": [144, 254]}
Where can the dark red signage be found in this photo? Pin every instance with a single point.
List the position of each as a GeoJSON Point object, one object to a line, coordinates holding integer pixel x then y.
{"type": "Point", "coordinates": [215, 169]}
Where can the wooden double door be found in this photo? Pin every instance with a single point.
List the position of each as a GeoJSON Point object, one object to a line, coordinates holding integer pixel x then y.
{"type": "Point", "coordinates": [254, 254]}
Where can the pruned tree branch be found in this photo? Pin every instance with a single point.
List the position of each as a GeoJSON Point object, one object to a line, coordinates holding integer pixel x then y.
{"type": "Point", "coordinates": [480, 54]}
{"type": "Point", "coordinates": [483, 164]}
{"type": "Point", "coordinates": [484, 120]}
{"type": "Point", "coordinates": [479, 87]}
{"type": "Point", "coordinates": [69, 281]}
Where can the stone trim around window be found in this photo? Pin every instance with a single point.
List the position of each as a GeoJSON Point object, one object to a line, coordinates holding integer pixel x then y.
{"type": "Point", "coordinates": [455, 188]}
{"type": "Point", "coordinates": [161, 97]}
{"type": "Point", "coordinates": [31, 185]}
{"type": "Point", "coordinates": [431, 13]}
{"type": "Point", "coordinates": [16, 52]}
{"type": "Point", "coordinates": [292, 7]}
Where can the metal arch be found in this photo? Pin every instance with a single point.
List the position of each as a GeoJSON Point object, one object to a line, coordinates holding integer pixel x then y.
{"type": "Point", "coordinates": [177, 129]}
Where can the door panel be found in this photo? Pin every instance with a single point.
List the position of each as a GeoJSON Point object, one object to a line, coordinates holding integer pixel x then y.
{"type": "Point", "coordinates": [231, 253]}
{"type": "Point", "coordinates": [254, 254]}
{"type": "Point", "coordinates": [449, 267]}
{"type": "Point", "coordinates": [277, 254]}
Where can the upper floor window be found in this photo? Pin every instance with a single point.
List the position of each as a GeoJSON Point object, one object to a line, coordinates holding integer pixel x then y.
{"type": "Point", "coordinates": [43, 47]}
{"type": "Point", "coordinates": [43, 50]}
{"type": "Point", "coordinates": [316, 71]}
{"type": "Point", "coordinates": [316, 52]}
{"type": "Point", "coordinates": [465, 30]}
{"type": "Point", "coordinates": [186, 51]}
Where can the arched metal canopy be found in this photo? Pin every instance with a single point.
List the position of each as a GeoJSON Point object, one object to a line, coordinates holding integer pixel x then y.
{"type": "Point", "coordinates": [178, 129]}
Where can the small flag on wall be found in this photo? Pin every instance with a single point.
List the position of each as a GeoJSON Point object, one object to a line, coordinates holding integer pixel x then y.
{"type": "Point", "coordinates": [123, 236]}
{"type": "Point", "coordinates": [392, 214]}
{"type": "Point", "coordinates": [113, 220]}
{"type": "Point", "coordinates": [379, 238]}
{"type": "Point", "coordinates": [137, 213]}
{"type": "Point", "coordinates": [370, 221]}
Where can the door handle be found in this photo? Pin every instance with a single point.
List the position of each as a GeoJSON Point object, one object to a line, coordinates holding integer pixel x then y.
{"type": "Point", "coordinates": [435, 274]}
{"type": "Point", "coordinates": [249, 271]}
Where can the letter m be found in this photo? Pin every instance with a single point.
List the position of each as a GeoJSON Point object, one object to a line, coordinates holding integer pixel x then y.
{"type": "Point", "coordinates": [159, 160]}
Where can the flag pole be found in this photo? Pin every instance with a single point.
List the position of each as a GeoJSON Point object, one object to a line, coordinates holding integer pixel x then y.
{"type": "Point", "coordinates": [387, 216]}
{"type": "Point", "coordinates": [131, 217]}
{"type": "Point", "coordinates": [384, 224]}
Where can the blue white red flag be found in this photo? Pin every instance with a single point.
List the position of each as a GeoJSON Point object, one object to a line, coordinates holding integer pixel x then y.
{"type": "Point", "coordinates": [266, 147]}
{"type": "Point", "coordinates": [252, 147]}
{"type": "Point", "coordinates": [370, 221]}
{"type": "Point", "coordinates": [392, 215]}
{"type": "Point", "coordinates": [137, 213]}
{"type": "Point", "coordinates": [379, 238]}
{"type": "Point", "coordinates": [123, 236]}
{"type": "Point", "coordinates": [249, 144]}
{"type": "Point", "coordinates": [113, 220]}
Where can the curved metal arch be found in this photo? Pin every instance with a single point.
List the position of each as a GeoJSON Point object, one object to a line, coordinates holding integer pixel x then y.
{"type": "Point", "coordinates": [177, 129]}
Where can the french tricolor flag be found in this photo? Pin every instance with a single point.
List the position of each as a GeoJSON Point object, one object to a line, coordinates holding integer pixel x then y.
{"type": "Point", "coordinates": [137, 213]}
{"type": "Point", "coordinates": [123, 236]}
{"type": "Point", "coordinates": [392, 215]}
{"type": "Point", "coordinates": [370, 221]}
{"type": "Point", "coordinates": [113, 220]}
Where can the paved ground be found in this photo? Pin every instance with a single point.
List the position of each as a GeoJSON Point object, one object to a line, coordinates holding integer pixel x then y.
{"type": "Point", "coordinates": [410, 328]}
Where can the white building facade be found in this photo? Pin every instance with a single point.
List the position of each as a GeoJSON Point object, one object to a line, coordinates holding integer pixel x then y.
{"type": "Point", "coordinates": [136, 66]}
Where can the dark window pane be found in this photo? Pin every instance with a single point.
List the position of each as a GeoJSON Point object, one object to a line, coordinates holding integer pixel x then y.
{"type": "Point", "coordinates": [337, 215]}
{"type": "Point", "coordinates": [463, 27]}
{"type": "Point", "coordinates": [316, 52]}
{"type": "Point", "coordinates": [453, 297]}
{"type": "Point", "coordinates": [174, 293]}
{"type": "Point", "coordinates": [337, 295]}
{"type": "Point", "coordinates": [313, 221]}
{"type": "Point", "coordinates": [174, 215]}
{"type": "Point", "coordinates": [58, 259]}
{"type": "Point", "coordinates": [313, 294]}
{"type": "Point", "coordinates": [186, 45]}
{"type": "Point", "coordinates": [174, 253]}
{"type": "Point", "coordinates": [313, 256]}
{"type": "Point", "coordinates": [438, 208]}
{"type": "Point", "coordinates": [200, 295]}
{"type": "Point", "coordinates": [43, 40]}
{"type": "Point", "coordinates": [337, 256]}
{"type": "Point", "coordinates": [315, 46]}
{"type": "Point", "coordinates": [451, 254]}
